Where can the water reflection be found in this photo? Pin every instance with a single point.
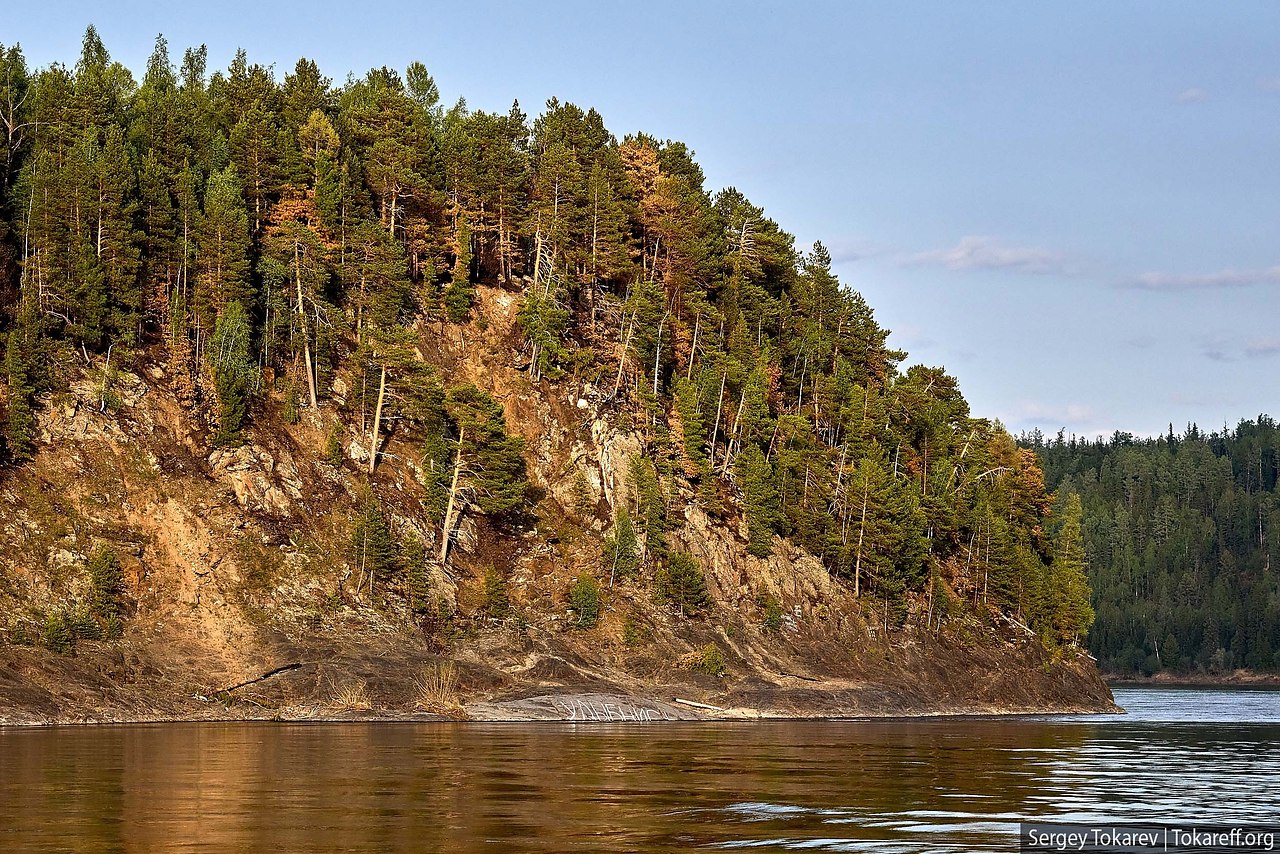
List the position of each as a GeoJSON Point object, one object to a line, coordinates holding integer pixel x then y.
{"type": "Point", "coordinates": [941, 785]}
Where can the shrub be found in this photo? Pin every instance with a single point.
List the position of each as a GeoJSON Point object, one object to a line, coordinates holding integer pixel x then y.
{"type": "Point", "coordinates": [633, 633]}
{"type": "Point", "coordinates": [621, 556]}
{"type": "Point", "coordinates": [584, 596]}
{"type": "Point", "coordinates": [681, 583]}
{"type": "Point", "coordinates": [772, 612]}
{"type": "Point", "coordinates": [710, 661]}
{"type": "Point", "coordinates": [494, 601]}
{"type": "Point", "coordinates": [106, 589]}
{"type": "Point", "coordinates": [59, 634]}
{"type": "Point", "coordinates": [333, 446]}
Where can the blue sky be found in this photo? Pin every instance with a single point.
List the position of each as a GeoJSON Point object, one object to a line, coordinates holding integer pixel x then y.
{"type": "Point", "coordinates": [1074, 208]}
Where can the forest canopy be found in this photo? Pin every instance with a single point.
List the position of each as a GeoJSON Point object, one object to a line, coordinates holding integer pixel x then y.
{"type": "Point", "coordinates": [1181, 547]}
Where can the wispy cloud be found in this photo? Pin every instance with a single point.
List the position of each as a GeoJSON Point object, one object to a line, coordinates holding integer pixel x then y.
{"type": "Point", "coordinates": [1194, 95]}
{"type": "Point", "coordinates": [976, 252]}
{"type": "Point", "coordinates": [1221, 348]}
{"type": "Point", "coordinates": [845, 250]}
{"type": "Point", "coordinates": [1230, 278]}
{"type": "Point", "coordinates": [1075, 418]}
{"type": "Point", "coordinates": [1069, 415]}
{"type": "Point", "coordinates": [1262, 348]}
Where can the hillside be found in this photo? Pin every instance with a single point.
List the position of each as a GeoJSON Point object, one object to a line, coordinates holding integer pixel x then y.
{"type": "Point", "coordinates": [446, 413]}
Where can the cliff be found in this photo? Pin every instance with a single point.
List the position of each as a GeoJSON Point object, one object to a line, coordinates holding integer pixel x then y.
{"type": "Point", "coordinates": [238, 560]}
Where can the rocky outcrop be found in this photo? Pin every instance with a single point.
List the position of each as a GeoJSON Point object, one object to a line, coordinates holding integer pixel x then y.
{"type": "Point", "coordinates": [239, 560]}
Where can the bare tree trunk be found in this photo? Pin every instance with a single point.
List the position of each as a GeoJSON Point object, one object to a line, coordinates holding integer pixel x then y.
{"type": "Point", "coordinates": [447, 530]}
{"type": "Point", "coordinates": [306, 338]}
{"type": "Point", "coordinates": [715, 430]}
{"type": "Point", "coordinates": [377, 421]}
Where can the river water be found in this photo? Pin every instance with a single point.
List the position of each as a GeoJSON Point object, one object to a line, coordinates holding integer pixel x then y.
{"type": "Point", "coordinates": [956, 784]}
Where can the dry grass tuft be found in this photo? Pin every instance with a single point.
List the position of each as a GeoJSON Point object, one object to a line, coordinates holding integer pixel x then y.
{"type": "Point", "coordinates": [352, 697]}
{"type": "Point", "coordinates": [438, 691]}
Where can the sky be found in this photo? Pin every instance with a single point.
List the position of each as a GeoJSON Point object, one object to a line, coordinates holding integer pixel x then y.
{"type": "Point", "coordinates": [1073, 208]}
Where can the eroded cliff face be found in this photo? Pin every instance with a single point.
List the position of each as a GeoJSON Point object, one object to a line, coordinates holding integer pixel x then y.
{"type": "Point", "coordinates": [238, 561]}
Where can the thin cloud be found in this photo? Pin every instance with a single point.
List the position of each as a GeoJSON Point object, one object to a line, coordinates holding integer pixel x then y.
{"type": "Point", "coordinates": [1070, 414]}
{"type": "Point", "coordinates": [1269, 84]}
{"type": "Point", "coordinates": [1217, 354]}
{"type": "Point", "coordinates": [1194, 95]}
{"type": "Point", "coordinates": [1230, 278]}
{"type": "Point", "coordinates": [975, 252]}
{"type": "Point", "coordinates": [1263, 348]}
{"type": "Point", "coordinates": [846, 250]}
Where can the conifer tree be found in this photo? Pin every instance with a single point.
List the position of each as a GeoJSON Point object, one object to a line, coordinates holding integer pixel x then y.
{"type": "Point", "coordinates": [1072, 613]}
{"type": "Point", "coordinates": [373, 547]}
{"type": "Point", "coordinates": [234, 371]}
{"type": "Point", "coordinates": [621, 556]}
{"type": "Point", "coordinates": [488, 463]}
{"type": "Point", "coordinates": [755, 478]}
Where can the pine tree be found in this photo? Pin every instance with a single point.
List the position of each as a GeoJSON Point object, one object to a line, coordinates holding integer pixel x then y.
{"type": "Point", "coordinates": [755, 478]}
{"type": "Point", "coordinates": [681, 583]}
{"type": "Point", "coordinates": [621, 558]}
{"type": "Point", "coordinates": [374, 550]}
{"type": "Point", "coordinates": [1072, 613]}
{"type": "Point", "coordinates": [488, 463]}
{"type": "Point", "coordinates": [234, 371]}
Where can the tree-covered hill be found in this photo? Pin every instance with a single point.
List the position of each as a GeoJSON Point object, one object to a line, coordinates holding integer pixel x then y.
{"type": "Point", "coordinates": [1181, 539]}
{"type": "Point", "coordinates": [263, 242]}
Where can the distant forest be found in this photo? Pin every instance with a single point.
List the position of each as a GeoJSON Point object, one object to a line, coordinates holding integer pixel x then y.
{"type": "Point", "coordinates": [1181, 536]}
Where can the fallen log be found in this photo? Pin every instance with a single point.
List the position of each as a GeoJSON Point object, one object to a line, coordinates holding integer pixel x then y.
{"type": "Point", "coordinates": [284, 669]}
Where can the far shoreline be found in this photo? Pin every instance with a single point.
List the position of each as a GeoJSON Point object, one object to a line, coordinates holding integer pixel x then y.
{"type": "Point", "coordinates": [1235, 679]}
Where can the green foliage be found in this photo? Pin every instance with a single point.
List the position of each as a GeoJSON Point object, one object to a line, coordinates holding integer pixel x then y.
{"type": "Point", "coordinates": [584, 597]}
{"type": "Point", "coordinates": [694, 429]}
{"type": "Point", "coordinates": [333, 452]}
{"type": "Point", "coordinates": [621, 558]}
{"type": "Point", "coordinates": [759, 499]}
{"type": "Point", "coordinates": [58, 633]}
{"type": "Point", "coordinates": [682, 584]}
{"type": "Point", "coordinates": [651, 506]}
{"type": "Point", "coordinates": [543, 320]}
{"type": "Point", "coordinates": [583, 505]}
{"type": "Point", "coordinates": [1177, 536]}
{"type": "Point", "coordinates": [298, 229]}
{"type": "Point", "coordinates": [460, 293]}
{"type": "Point", "coordinates": [234, 372]}
{"type": "Point", "coordinates": [710, 661]}
{"type": "Point", "coordinates": [1071, 614]}
{"type": "Point", "coordinates": [23, 364]}
{"type": "Point", "coordinates": [771, 612]}
{"type": "Point", "coordinates": [417, 575]}
{"type": "Point", "coordinates": [374, 549]}
{"type": "Point", "coordinates": [634, 632]}
{"type": "Point", "coordinates": [491, 459]}
{"type": "Point", "coordinates": [106, 589]}
{"type": "Point", "coordinates": [495, 601]}
{"type": "Point", "coordinates": [290, 411]}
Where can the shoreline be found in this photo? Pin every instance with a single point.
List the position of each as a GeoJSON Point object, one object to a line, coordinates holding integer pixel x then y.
{"type": "Point", "coordinates": [1236, 679]}
{"type": "Point", "coordinates": [561, 708]}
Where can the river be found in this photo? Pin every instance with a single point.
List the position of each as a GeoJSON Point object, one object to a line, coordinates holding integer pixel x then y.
{"type": "Point", "coordinates": [938, 785]}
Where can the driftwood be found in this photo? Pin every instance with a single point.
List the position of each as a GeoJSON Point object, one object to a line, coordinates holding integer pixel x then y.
{"type": "Point", "coordinates": [699, 705]}
{"type": "Point", "coordinates": [798, 676]}
{"type": "Point", "coordinates": [285, 669]}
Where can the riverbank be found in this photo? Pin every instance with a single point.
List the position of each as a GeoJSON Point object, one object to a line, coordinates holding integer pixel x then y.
{"type": "Point", "coordinates": [512, 677]}
{"type": "Point", "coordinates": [1234, 679]}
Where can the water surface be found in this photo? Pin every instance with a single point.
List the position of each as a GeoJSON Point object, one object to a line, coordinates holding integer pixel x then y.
{"type": "Point", "coordinates": [958, 784]}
